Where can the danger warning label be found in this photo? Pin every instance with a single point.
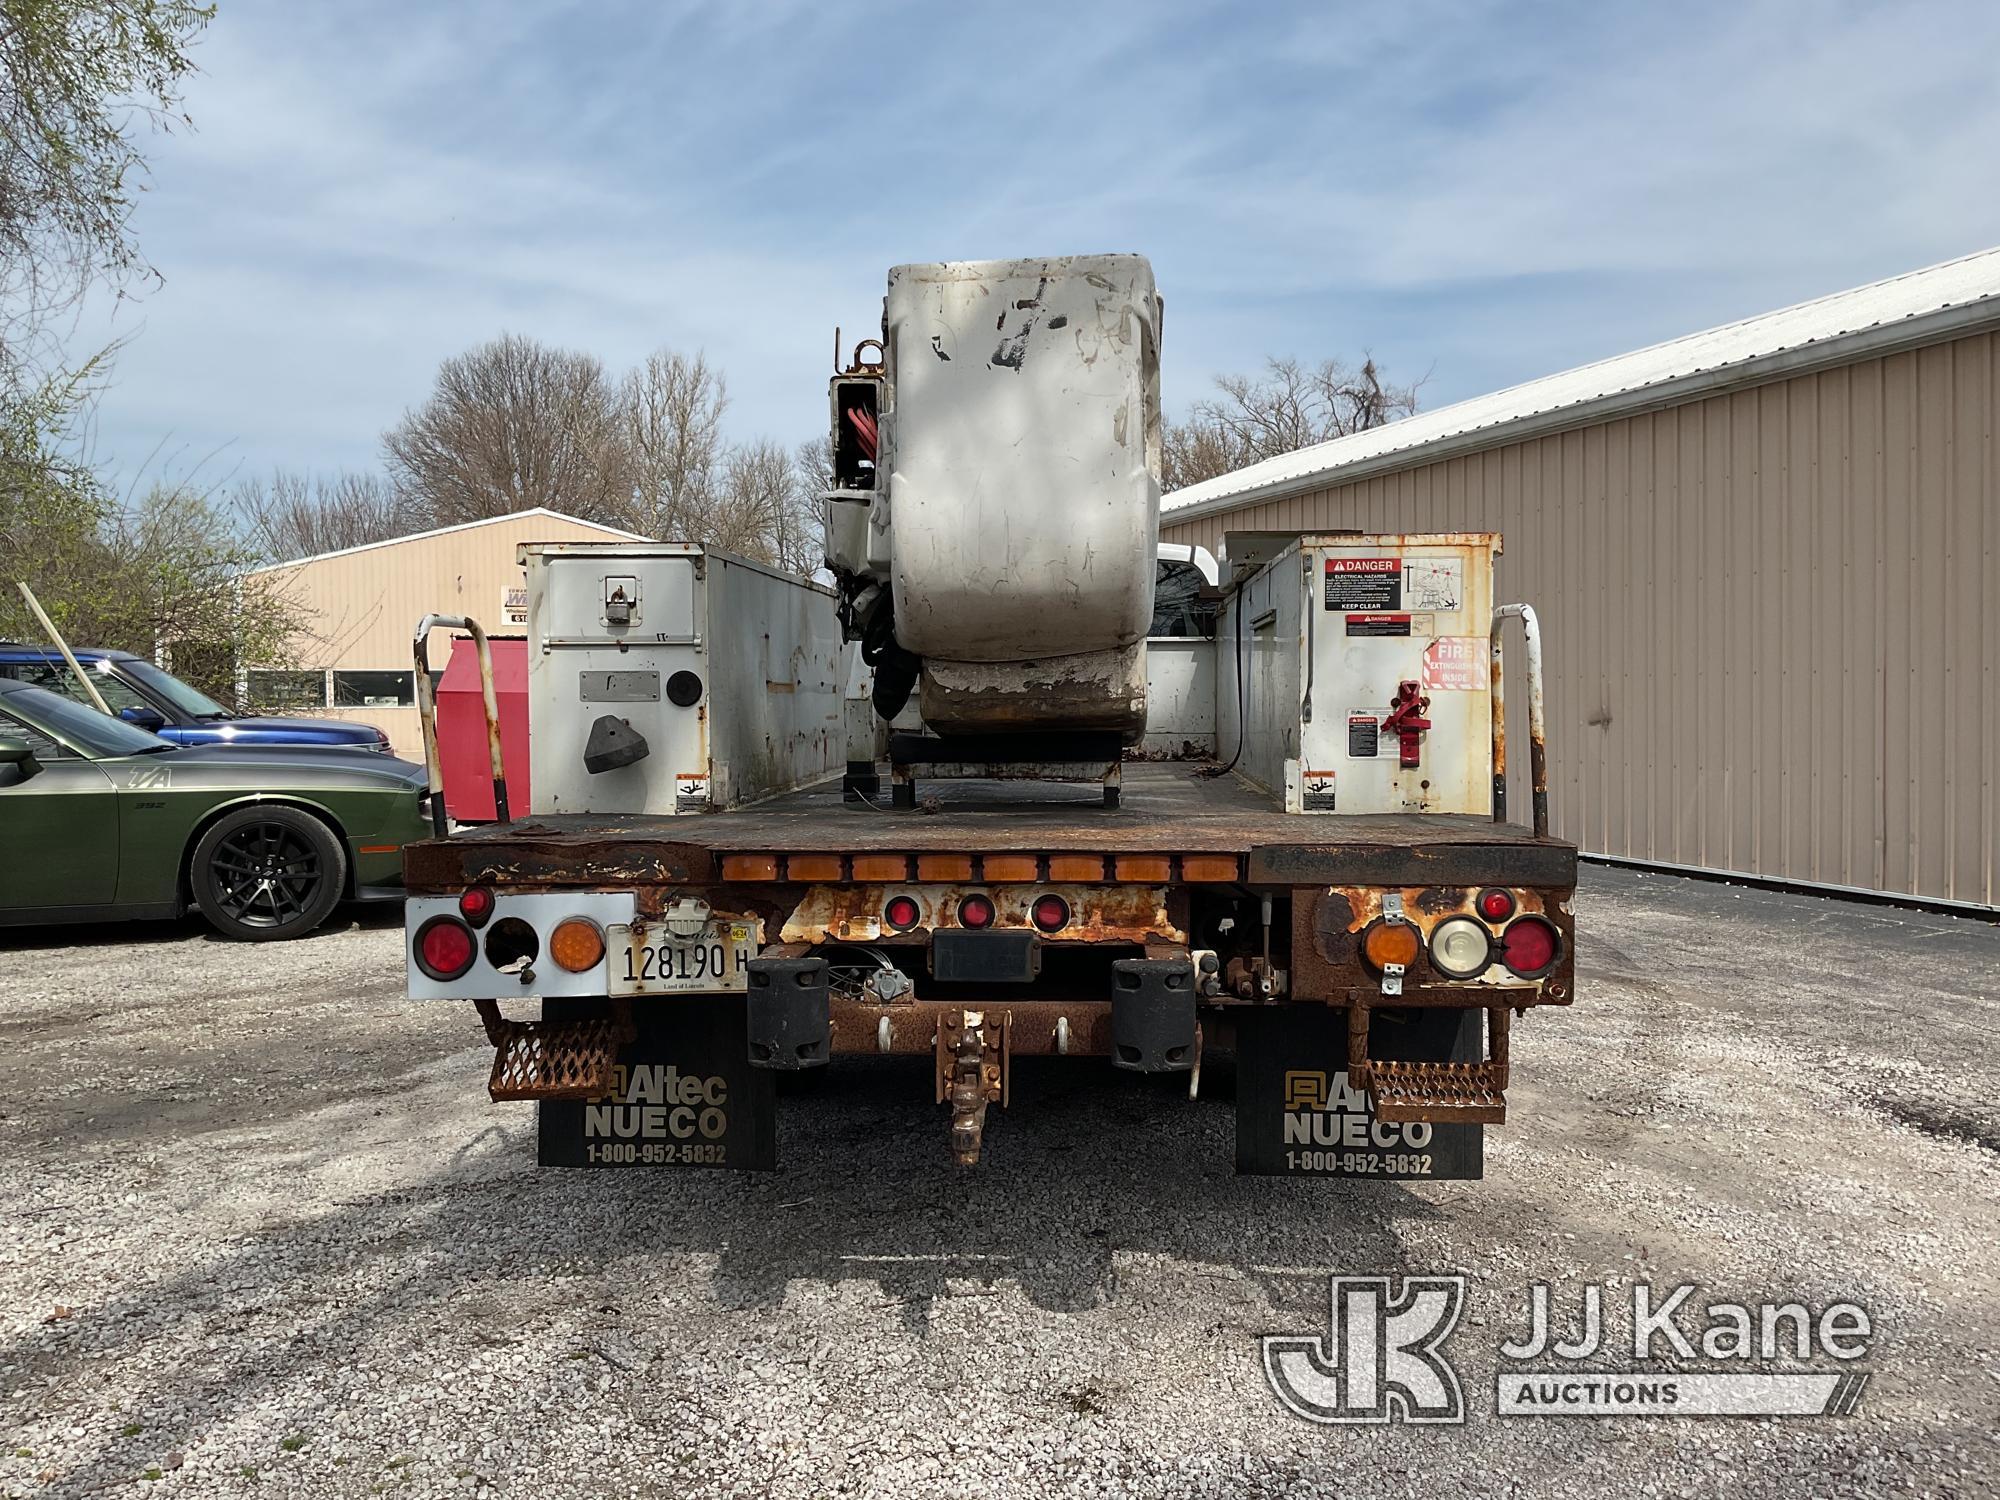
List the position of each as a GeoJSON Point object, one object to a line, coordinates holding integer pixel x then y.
{"type": "Point", "coordinates": [1456, 664]}
{"type": "Point", "coordinates": [1364, 583]}
{"type": "Point", "coordinates": [1359, 624]}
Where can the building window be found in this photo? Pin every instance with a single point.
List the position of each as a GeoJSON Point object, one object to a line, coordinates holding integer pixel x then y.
{"type": "Point", "coordinates": [270, 688]}
{"type": "Point", "coordinates": [374, 690]}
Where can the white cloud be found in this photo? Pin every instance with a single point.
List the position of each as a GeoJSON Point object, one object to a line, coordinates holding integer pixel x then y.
{"type": "Point", "coordinates": [372, 189]}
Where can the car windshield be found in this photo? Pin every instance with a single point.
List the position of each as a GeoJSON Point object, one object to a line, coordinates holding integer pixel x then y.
{"type": "Point", "coordinates": [184, 698]}
{"type": "Point", "coordinates": [86, 728]}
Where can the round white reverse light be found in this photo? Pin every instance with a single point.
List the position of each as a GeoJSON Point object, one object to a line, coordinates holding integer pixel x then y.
{"type": "Point", "coordinates": [1460, 948]}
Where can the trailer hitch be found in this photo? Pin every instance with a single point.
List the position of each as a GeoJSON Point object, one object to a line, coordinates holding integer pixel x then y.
{"type": "Point", "coordinates": [974, 1068]}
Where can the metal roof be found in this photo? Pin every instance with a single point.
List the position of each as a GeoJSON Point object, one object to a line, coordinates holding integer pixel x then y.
{"type": "Point", "coordinates": [1918, 307]}
{"type": "Point", "coordinates": [420, 536]}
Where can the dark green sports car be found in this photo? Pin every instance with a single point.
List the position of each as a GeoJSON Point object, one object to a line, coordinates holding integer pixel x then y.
{"type": "Point", "coordinates": [100, 819]}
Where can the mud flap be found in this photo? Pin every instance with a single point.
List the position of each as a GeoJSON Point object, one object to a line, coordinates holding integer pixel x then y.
{"type": "Point", "coordinates": [1296, 1115]}
{"type": "Point", "coordinates": [683, 1093]}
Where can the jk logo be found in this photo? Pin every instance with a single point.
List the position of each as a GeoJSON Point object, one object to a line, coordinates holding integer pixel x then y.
{"type": "Point", "coordinates": [1380, 1359]}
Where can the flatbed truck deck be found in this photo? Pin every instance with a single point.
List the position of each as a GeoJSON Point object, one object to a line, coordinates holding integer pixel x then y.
{"type": "Point", "coordinates": [1168, 807]}
{"type": "Point", "coordinates": [1006, 919]}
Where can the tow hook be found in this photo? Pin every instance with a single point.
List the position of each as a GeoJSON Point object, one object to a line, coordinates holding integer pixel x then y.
{"type": "Point", "coordinates": [973, 1056]}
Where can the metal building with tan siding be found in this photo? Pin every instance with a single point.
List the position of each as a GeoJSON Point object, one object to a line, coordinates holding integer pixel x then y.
{"type": "Point", "coordinates": [353, 662]}
{"type": "Point", "coordinates": [1767, 562]}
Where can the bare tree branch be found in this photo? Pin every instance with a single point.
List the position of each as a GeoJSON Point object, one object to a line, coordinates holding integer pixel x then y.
{"type": "Point", "coordinates": [673, 409]}
{"type": "Point", "coordinates": [1290, 406]}
{"type": "Point", "coordinates": [295, 515]}
{"type": "Point", "coordinates": [511, 425]}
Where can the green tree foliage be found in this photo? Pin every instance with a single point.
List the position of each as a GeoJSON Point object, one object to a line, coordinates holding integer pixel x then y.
{"type": "Point", "coordinates": [79, 79]}
{"type": "Point", "coordinates": [81, 82]}
{"type": "Point", "coordinates": [163, 574]}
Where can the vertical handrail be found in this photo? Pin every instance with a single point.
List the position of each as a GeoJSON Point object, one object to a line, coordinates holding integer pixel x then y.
{"type": "Point", "coordinates": [1538, 753]}
{"type": "Point", "coordinates": [427, 713]}
{"type": "Point", "coordinates": [1498, 699]}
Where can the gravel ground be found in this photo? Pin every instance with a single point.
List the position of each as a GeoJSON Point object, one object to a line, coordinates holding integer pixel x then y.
{"type": "Point", "coordinates": [264, 1235]}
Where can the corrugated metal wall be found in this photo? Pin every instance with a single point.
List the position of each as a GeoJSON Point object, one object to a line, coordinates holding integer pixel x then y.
{"type": "Point", "coordinates": [364, 604]}
{"type": "Point", "coordinates": [1772, 618]}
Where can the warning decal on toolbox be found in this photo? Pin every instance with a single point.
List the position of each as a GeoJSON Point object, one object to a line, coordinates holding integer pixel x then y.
{"type": "Point", "coordinates": [1367, 583]}
{"type": "Point", "coordinates": [1433, 583]}
{"type": "Point", "coordinates": [1378, 624]}
{"type": "Point", "coordinates": [1457, 664]}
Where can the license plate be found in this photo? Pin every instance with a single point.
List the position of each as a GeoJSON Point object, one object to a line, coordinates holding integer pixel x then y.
{"type": "Point", "coordinates": [652, 961]}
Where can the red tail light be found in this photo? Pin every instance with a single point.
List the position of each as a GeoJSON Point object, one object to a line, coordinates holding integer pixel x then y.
{"type": "Point", "coordinates": [1496, 905]}
{"type": "Point", "coordinates": [476, 905]}
{"type": "Point", "coordinates": [975, 911]}
{"type": "Point", "coordinates": [1051, 913]}
{"type": "Point", "coordinates": [1529, 947]}
{"type": "Point", "coordinates": [902, 913]}
{"type": "Point", "coordinates": [444, 947]}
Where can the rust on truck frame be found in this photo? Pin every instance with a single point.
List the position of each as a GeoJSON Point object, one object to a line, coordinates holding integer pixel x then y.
{"type": "Point", "coordinates": [1149, 880]}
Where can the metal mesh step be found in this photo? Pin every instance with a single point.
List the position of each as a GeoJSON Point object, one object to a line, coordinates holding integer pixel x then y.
{"type": "Point", "coordinates": [1443, 1093]}
{"type": "Point", "coordinates": [555, 1059]}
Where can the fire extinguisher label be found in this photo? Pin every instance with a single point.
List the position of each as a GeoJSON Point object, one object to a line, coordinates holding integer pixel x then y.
{"type": "Point", "coordinates": [1457, 664]}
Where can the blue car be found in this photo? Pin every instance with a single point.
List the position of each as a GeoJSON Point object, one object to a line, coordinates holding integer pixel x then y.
{"type": "Point", "coordinates": [140, 693]}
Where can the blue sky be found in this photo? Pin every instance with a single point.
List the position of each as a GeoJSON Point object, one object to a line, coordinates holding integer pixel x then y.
{"type": "Point", "coordinates": [1478, 192]}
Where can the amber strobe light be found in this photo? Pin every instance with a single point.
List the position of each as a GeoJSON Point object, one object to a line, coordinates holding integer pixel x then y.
{"type": "Point", "coordinates": [576, 945]}
{"type": "Point", "coordinates": [444, 947]}
{"type": "Point", "coordinates": [1386, 943]}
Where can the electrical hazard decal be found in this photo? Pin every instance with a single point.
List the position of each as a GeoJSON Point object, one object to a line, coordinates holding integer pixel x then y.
{"type": "Point", "coordinates": [1364, 583]}
{"type": "Point", "coordinates": [1358, 624]}
{"type": "Point", "coordinates": [1457, 664]}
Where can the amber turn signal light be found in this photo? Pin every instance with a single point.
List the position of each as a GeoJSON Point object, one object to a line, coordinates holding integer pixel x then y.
{"type": "Point", "coordinates": [1386, 943]}
{"type": "Point", "coordinates": [576, 945]}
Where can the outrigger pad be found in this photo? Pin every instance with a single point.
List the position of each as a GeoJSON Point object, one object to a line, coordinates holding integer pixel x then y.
{"type": "Point", "coordinates": [683, 1094]}
{"type": "Point", "coordinates": [1297, 1115]}
{"type": "Point", "coordinates": [790, 1014]}
{"type": "Point", "coordinates": [1152, 1015]}
{"type": "Point", "coordinates": [613, 743]}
